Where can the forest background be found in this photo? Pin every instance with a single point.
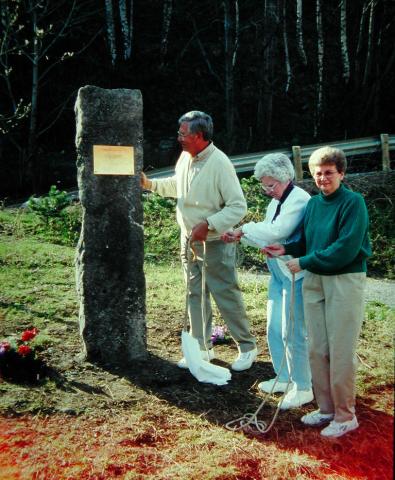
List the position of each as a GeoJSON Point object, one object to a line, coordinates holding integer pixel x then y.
{"type": "Point", "coordinates": [272, 73]}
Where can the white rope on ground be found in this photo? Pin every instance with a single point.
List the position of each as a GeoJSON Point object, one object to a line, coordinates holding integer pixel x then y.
{"type": "Point", "coordinates": [249, 421]}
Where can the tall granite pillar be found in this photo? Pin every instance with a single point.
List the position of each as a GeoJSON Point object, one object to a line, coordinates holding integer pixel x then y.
{"type": "Point", "coordinates": [110, 252]}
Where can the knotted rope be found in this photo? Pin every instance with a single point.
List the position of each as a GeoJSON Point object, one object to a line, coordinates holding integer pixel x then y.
{"type": "Point", "coordinates": [249, 421]}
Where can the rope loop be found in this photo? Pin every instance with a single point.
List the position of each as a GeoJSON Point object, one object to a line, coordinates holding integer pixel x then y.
{"type": "Point", "coordinates": [249, 421]}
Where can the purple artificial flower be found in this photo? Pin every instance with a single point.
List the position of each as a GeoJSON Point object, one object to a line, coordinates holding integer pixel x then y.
{"type": "Point", "coordinates": [4, 347]}
{"type": "Point", "coordinates": [219, 334]}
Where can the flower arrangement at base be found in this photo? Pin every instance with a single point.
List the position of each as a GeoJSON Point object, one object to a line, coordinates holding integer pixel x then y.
{"type": "Point", "coordinates": [220, 335]}
{"type": "Point", "coordinates": [18, 360]}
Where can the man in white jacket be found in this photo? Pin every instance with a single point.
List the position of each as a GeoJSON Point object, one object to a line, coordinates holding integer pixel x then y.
{"type": "Point", "coordinates": [209, 202]}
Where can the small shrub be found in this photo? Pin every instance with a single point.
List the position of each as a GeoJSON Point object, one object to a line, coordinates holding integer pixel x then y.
{"type": "Point", "coordinates": [381, 216]}
{"type": "Point", "coordinates": [257, 204]}
{"type": "Point", "coordinates": [161, 232]}
{"type": "Point", "coordinates": [60, 221]}
{"type": "Point", "coordinates": [69, 225]}
{"type": "Point", "coordinates": [51, 205]}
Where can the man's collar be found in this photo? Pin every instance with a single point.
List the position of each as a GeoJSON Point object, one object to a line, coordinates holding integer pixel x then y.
{"type": "Point", "coordinates": [204, 154]}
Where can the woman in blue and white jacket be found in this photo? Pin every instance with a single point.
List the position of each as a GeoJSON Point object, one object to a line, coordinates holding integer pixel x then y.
{"type": "Point", "coordinates": [282, 223]}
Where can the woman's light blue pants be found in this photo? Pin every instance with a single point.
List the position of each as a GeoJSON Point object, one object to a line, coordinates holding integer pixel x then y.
{"type": "Point", "coordinates": [282, 336]}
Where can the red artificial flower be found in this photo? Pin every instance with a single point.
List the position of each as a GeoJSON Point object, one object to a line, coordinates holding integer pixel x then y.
{"type": "Point", "coordinates": [29, 334]}
{"type": "Point", "coordinates": [24, 350]}
{"type": "Point", "coordinates": [5, 346]}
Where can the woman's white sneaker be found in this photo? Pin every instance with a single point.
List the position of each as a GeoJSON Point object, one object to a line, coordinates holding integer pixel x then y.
{"type": "Point", "coordinates": [316, 418]}
{"type": "Point", "coordinates": [244, 360]}
{"type": "Point", "coordinates": [271, 386]}
{"type": "Point", "coordinates": [337, 429]}
{"type": "Point", "coordinates": [296, 398]}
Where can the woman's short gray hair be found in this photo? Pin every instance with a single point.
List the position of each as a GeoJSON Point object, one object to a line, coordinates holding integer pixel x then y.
{"type": "Point", "coordinates": [275, 165]}
{"type": "Point", "coordinates": [328, 156]}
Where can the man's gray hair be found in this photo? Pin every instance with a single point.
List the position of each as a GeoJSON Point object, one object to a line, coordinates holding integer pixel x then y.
{"type": "Point", "coordinates": [198, 122]}
{"type": "Point", "coordinates": [276, 165]}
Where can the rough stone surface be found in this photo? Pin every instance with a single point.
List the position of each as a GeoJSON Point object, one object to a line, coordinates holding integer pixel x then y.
{"type": "Point", "coordinates": [110, 253]}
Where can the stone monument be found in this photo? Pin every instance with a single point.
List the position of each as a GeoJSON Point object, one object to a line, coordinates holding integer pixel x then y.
{"type": "Point", "coordinates": [110, 252]}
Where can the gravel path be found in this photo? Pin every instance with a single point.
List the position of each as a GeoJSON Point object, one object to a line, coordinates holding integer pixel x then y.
{"type": "Point", "coordinates": [376, 290]}
{"type": "Point", "coordinates": [380, 291]}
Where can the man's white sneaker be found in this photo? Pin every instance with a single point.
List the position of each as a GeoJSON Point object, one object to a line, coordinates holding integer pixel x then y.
{"type": "Point", "coordinates": [296, 398]}
{"type": "Point", "coordinates": [316, 418]}
{"type": "Point", "coordinates": [269, 387]}
{"type": "Point", "coordinates": [337, 429]}
{"type": "Point", "coordinates": [244, 360]}
{"type": "Point", "coordinates": [211, 355]}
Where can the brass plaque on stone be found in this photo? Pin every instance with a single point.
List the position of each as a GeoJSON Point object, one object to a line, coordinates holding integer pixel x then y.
{"type": "Point", "coordinates": [113, 160]}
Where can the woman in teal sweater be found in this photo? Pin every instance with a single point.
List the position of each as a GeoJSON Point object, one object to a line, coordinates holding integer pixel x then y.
{"type": "Point", "coordinates": [333, 251]}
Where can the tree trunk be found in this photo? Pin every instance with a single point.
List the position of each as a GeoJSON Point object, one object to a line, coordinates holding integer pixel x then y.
{"type": "Point", "coordinates": [229, 91]}
{"type": "Point", "coordinates": [111, 31]}
{"type": "Point", "coordinates": [31, 149]}
{"type": "Point", "coordinates": [131, 24]}
{"type": "Point", "coordinates": [320, 67]}
{"type": "Point", "coordinates": [299, 32]}
{"type": "Point", "coordinates": [125, 29]}
{"type": "Point", "coordinates": [167, 13]}
{"type": "Point", "coordinates": [358, 52]}
{"type": "Point", "coordinates": [370, 43]}
{"type": "Point", "coordinates": [343, 41]}
{"type": "Point", "coordinates": [237, 32]}
{"type": "Point", "coordinates": [286, 51]}
{"type": "Point", "coordinates": [265, 104]}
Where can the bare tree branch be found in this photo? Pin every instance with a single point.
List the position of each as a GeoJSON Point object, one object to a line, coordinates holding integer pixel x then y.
{"type": "Point", "coordinates": [111, 31]}
{"type": "Point", "coordinates": [343, 41]}
{"type": "Point", "coordinates": [299, 32]}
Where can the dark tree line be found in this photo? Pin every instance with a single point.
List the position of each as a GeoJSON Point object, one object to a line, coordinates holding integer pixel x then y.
{"type": "Point", "coordinates": [271, 72]}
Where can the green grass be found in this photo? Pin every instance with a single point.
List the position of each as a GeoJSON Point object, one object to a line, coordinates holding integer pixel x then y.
{"type": "Point", "coordinates": [38, 288]}
{"type": "Point", "coordinates": [39, 278]}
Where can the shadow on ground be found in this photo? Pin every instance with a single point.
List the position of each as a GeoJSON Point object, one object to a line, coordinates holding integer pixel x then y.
{"type": "Point", "coordinates": [366, 453]}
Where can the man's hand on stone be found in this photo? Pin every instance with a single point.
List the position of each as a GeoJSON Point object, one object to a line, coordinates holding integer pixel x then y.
{"type": "Point", "coordinates": [199, 232]}
{"type": "Point", "coordinates": [145, 182]}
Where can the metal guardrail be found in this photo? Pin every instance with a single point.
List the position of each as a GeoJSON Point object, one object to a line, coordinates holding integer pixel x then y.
{"type": "Point", "coordinates": [358, 146]}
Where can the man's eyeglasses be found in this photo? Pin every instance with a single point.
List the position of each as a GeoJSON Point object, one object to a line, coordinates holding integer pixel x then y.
{"type": "Point", "coordinates": [268, 188]}
{"type": "Point", "coordinates": [183, 134]}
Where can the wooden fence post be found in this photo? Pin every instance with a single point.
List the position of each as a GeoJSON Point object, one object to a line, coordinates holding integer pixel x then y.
{"type": "Point", "coordinates": [385, 152]}
{"type": "Point", "coordinates": [297, 158]}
